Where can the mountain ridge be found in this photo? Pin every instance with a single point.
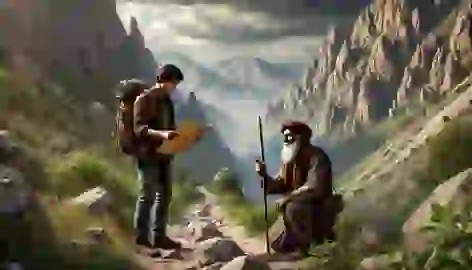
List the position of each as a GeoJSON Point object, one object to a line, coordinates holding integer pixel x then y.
{"type": "Point", "coordinates": [397, 56]}
{"type": "Point", "coordinates": [234, 76]}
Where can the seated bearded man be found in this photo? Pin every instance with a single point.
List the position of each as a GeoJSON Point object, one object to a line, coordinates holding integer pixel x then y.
{"type": "Point", "coordinates": [305, 180]}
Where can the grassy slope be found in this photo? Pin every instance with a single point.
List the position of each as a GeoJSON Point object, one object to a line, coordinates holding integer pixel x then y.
{"type": "Point", "coordinates": [388, 201]}
{"type": "Point", "coordinates": [64, 156]}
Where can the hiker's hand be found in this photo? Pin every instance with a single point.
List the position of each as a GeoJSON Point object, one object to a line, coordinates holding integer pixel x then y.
{"type": "Point", "coordinates": [170, 134]}
{"type": "Point", "coordinates": [261, 168]}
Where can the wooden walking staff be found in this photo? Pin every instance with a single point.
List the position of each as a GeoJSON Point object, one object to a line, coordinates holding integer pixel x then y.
{"type": "Point", "coordinates": [264, 185]}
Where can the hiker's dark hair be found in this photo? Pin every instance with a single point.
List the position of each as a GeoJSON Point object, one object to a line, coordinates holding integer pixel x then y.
{"type": "Point", "coordinates": [169, 73]}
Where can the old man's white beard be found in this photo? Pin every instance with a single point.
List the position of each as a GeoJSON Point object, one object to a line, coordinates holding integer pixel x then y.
{"type": "Point", "coordinates": [289, 152]}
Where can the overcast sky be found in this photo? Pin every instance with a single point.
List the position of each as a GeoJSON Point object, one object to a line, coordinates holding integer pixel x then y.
{"type": "Point", "coordinates": [273, 29]}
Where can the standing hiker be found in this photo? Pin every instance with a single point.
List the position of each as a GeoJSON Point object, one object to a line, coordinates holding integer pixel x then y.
{"type": "Point", "coordinates": [145, 121]}
{"type": "Point", "coordinates": [305, 179]}
{"type": "Point", "coordinates": [154, 122]}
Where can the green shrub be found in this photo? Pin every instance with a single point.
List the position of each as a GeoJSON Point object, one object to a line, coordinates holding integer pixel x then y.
{"type": "Point", "coordinates": [12, 98]}
{"type": "Point", "coordinates": [225, 181]}
{"type": "Point", "coordinates": [77, 171]}
{"type": "Point", "coordinates": [253, 218]}
{"type": "Point", "coordinates": [249, 215]}
{"type": "Point", "coordinates": [451, 242]}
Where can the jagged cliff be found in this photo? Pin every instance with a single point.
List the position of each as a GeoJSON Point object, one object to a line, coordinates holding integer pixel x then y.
{"type": "Point", "coordinates": [397, 55]}
{"type": "Point", "coordinates": [81, 44]}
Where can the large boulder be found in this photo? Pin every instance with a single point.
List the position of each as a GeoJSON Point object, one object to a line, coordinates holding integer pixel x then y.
{"type": "Point", "coordinates": [246, 263]}
{"type": "Point", "coordinates": [216, 266]}
{"type": "Point", "coordinates": [96, 200]}
{"type": "Point", "coordinates": [454, 191]}
{"type": "Point", "coordinates": [98, 235]}
{"type": "Point", "coordinates": [202, 231]}
{"type": "Point", "coordinates": [217, 250]}
{"type": "Point", "coordinates": [379, 262]}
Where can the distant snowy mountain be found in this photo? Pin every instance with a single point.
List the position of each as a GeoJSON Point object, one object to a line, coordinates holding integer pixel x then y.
{"type": "Point", "coordinates": [238, 77]}
{"type": "Point", "coordinates": [198, 78]}
{"type": "Point", "coordinates": [259, 76]}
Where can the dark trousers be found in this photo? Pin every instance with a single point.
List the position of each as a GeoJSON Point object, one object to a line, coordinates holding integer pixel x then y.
{"type": "Point", "coordinates": [152, 206]}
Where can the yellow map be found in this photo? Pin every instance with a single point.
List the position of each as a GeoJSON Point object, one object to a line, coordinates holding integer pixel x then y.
{"type": "Point", "coordinates": [189, 132]}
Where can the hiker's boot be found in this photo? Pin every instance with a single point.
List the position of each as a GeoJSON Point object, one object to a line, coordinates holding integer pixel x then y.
{"type": "Point", "coordinates": [167, 243]}
{"type": "Point", "coordinates": [148, 252]}
{"type": "Point", "coordinates": [143, 247]}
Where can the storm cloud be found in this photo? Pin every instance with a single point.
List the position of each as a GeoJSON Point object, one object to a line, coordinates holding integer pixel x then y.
{"type": "Point", "coordinates": [284, 8]}
{"type": "Point", "coordinates": [251, 20]}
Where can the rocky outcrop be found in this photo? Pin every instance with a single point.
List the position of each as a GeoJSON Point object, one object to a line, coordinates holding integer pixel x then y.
{"type": "Point", "coordinates": [384, 261]}
{"type": "Point", "coordinates": [455, 191]}
{"type": "Point", "coordinates": [217, 250]}
{"type": "Point", "coordinates": [392, 59]}
{"type": "Point", "coordinates": [54, 41]}
{"type": "Point", "coordinates": [96, 200]}
{"type": "Point", "coordinates": [246, 263]}
{"type": "Point", "coordinates": [204, 231]}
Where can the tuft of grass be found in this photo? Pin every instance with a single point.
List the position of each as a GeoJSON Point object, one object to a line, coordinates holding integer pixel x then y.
{"type": "Point", "coordinates": [80, 170]}
{"type": "Point", "coordinates": [248, 215]}
{"type": "Point", "coordinates": [225, 181]}
{"type": "Point", "coordinates": [72, 174]}
{"type": "Point", "coordinates": [234, 204]}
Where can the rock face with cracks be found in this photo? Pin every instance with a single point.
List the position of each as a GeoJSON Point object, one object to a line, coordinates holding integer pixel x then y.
{"type": "Point", "coordinates": [391, 60]}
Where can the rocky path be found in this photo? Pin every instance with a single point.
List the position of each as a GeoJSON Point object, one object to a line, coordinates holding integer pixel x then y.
{"type": "Point", "coordinates": [251, 245]}
{"type": "Point", "coordinates": [233, 242]}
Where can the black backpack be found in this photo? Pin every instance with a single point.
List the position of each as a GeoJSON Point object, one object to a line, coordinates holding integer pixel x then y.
{"type": "Point", "coordinates": [128, 91]}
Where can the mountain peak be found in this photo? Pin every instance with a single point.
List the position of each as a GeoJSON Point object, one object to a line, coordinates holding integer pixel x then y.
{"type": "Point", "coordinates": [384, 65]}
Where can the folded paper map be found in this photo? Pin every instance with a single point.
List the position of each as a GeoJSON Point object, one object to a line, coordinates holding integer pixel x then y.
{"type": "Point", "coordinates": [189, 134]}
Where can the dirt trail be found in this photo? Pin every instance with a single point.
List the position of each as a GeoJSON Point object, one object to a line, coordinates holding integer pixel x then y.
{"type": "Point", "coordinates": [229, 229]}
{"type": "Point", "coordinates": [250, 245]}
